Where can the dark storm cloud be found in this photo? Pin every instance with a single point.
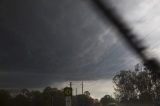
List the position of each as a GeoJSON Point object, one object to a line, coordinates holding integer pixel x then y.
{"type": "Point", "coordinates": [44, 41]}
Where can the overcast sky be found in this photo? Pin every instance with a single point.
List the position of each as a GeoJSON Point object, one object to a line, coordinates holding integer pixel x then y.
{"type": "Point", "coordinates": [49, 42]}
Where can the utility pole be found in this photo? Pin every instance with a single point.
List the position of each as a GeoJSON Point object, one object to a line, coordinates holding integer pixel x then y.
{"type": "Point", "coordinates": [82, 87]}
{"type": "Point", "coordinates": [76, 91]}
{"type": "Point", "coordinates": [52, 100]}
{"type": "Point", "coordinates": [70, 84]}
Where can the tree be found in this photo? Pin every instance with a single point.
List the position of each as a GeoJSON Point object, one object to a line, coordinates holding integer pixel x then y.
{"type": "Point", "coordinates": [136, 86]}
{"type": "Point", "coordinates": [87, 93]}
{"type": "Point", "coordinates": [4, 98]}
{"type": "Point", "coordinates": [106, 100]}
{"type": "Point", "coordinates": [53, 95]}
{"type": "Point", "coordinates": [36, 98]}
{"type": "Point", "coordinates": [84, 100]}
{"type": "Point", "coordinates": [125, 86]}
{"type": "Point", "coordinates": [96, 102]}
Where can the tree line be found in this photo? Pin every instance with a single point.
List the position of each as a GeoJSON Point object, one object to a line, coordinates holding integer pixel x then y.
{"type": "Point", "coordinates": [48, 97]}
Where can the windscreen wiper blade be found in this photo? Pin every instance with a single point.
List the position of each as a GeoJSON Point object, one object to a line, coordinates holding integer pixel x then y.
{"type": "Point", "coordinates": [131, 38]}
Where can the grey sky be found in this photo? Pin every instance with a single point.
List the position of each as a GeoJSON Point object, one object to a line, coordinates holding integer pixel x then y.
{"type": "Point", "coordinates": [47, 41]}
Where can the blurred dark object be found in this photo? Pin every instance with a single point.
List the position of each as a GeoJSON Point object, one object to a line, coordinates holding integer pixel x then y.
{"type": "Point", "coordinates": [112, 104]}
{"type": "Point", "coordinates": [131, 38]}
